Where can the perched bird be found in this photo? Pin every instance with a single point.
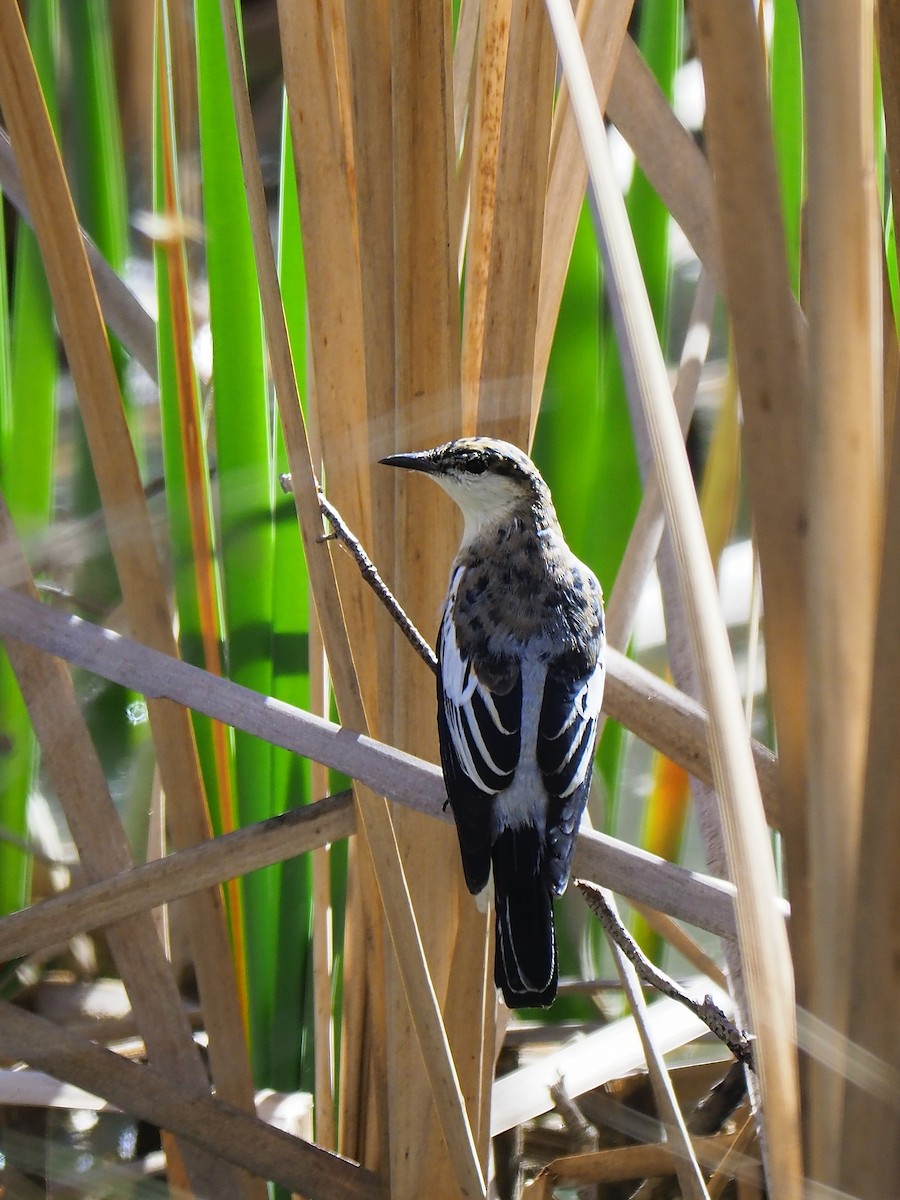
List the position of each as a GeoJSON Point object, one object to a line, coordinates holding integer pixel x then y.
{"type": "Point", "coordinates": [520, 683]}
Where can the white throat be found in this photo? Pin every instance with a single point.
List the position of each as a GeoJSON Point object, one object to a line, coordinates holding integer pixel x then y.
{"type": "Point", "coordinates": [484, 500]}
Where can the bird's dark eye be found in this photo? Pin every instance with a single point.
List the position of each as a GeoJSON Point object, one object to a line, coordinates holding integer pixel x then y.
{"type": "Point", "coordinates": [476, 466]}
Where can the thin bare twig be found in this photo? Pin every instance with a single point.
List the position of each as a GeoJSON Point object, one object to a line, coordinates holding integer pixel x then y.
{"type": "Point", "coordinates": [707, 1010]}
{"type": "Point", "coordinates": [368, 570]}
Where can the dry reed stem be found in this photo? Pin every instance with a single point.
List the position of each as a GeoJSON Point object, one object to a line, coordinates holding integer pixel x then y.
{"type": "Point", "coordinates": [696, 346]}
{"type": "Point", "coordinates": [405, 779]}
{"type": "Point", "coordinates": [362, 1014]}
{"type": "Point", "coordinates": [629, 1162]}
{"type": "Point", "coordinates": [76, 776]}
{"type": "Point", "coordinates": [225, 1133]}
{"type": "Point", "coordinates": [772, 372]}
{"type": "Point", "coordinates": [890, 366]}
{"type": "Point", "coordinates": [314, 53]}
{"type": "Point", "coordinates": [845, 430]}
{"type": "Point", "coordinates": [889, 59]}
{"type": "Point", "coordinates": [427, 411]}
{"type": "Point", "coordinates": [354, 999]}
{"type": "Point", "coordinates": [717, 500]}
{"type": "Point", "coordinates": [120, 892]}
{"type": "Point", "coordinates": [668, 1110]}
{"type": "Point", "coordinates": [364, 1020]}
{"type": "Point", "coordinates": [513, 267]}
{"type": "Point", "coordinates": [642, 877]}
{"type": "Point", "coordinates": [487, 124]}
{"type": "Point", "coordinates": [304, 486]}
{"type": "Point", "coordinates": [427, 1024]}
{"type": "Point", "coordinates": [465, 82]}
{"type": "Point", "coordinates": [431, 1038]}
{"type": "Point", "coordinates": [373, 947]}
{"type": "Point", "coordinates": [369, 52]}
{"type": "Point", "coordinates": [888, 32]}
{"type": "Point", "coordinates": [323, 982]}
{"type": "Point", "coordinates": [327, 140]}
{"type": "Point", "coordinates": [762, 930]}
{"type": "Point", "coordinates": [604, 24]}
{"type": "Point", "coordinates": [122, 311]}
{"type": "Point", "coordinates": [643, 541]}
{"type": "Point", "coordinates": [514, 96]}
{"type": "Point", "coordinates": [352, 1123]}
{"type": "Point", "coordinates": [589, 1060]}
{"type": "Point", "coordinates": [870, 1150]}
{"type": "Point", "coordinates": [319, 139]}
{"type": "Point", "coordinates": [667, 154]}
{"type": "Point", "coordinates": [461, 192]}
{"type": "Point", "coordinates": [128, 524]}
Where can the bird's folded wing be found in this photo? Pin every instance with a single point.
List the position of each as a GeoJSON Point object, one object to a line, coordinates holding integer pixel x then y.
{"type": "Point", "coordinates": [480, 737]}
{"type": "Point", "coordinates": [565, 753]}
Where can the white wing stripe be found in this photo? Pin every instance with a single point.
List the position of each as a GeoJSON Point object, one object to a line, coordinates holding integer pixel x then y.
{"type": "Point", "coordinates": [587, 754]}
{"type": "Point", "coordinates": [478, 738]}
{"type": "Point", "coordinates": [463, 753]}
{"type": "Point", "coordinates": [584, 711]}
{"type": "Point", "coordinates": [460, 686]}
{"type": "Point", "coordinates": [492, 710]}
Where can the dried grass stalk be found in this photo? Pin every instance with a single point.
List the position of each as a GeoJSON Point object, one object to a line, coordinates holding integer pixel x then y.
{"type": "Point", "coordinates": [76, 775]}
{"type": "Point", "coordinates": [869, 1151]}
{"type": "Point", "coordinates": [845, 429]}
{"type": "Point", "coordinates": [128, 525]}
{"type": "Point", "coordinates": [631, 1162]}
{"type": "Point", "coordinates": [427, 411]}
{"type": "Point", "coordinates": [762, 931]}
{"type": "Point", "coordinates": [772, 372]}
{"type": "Point", "coordinates": [224, 1133]}
{"type": "Point", "coordinates": [603, 24]}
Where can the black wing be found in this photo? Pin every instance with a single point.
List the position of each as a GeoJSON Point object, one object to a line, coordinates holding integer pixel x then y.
{"type": "Point", "coordinates": [567, 729]}
{"type": "Point", "coordinates": [480, 735]}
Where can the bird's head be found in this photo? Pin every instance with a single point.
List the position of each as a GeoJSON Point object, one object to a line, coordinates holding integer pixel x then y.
{"type": "Point", "coordinates": [490, 480]}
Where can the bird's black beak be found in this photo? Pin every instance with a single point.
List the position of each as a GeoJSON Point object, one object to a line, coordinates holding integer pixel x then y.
{"type": "Point", "coordinates": [420, 460]}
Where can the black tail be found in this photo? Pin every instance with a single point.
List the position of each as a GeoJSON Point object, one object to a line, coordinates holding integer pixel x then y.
{"type": "Point", "coordinates": [525, 964]}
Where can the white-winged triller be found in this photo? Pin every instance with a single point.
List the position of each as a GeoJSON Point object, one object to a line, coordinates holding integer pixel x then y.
{"type": "Point", "coordinates": [520, 684]}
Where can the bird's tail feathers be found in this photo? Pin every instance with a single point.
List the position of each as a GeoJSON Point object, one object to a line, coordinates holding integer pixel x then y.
{"type": "Point", "coordinates": [525, 960]}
